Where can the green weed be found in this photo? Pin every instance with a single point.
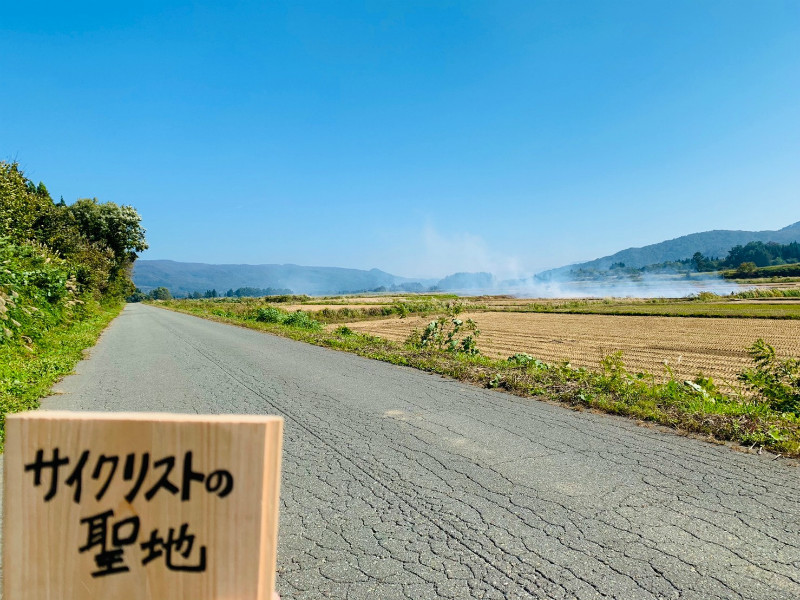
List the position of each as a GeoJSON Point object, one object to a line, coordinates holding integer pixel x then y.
{"type": "Point", "coordinates": [774, 381]}
{"type": "Point", "coordinates": [27, 372]}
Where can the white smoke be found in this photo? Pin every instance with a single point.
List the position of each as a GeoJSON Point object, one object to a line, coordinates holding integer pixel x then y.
{"type": "Point", "coordinates": [444, 254]}
{"type": "Point", "coordinates": [646, 286]}
{"type": "Point", "coordinates": [454, 252]}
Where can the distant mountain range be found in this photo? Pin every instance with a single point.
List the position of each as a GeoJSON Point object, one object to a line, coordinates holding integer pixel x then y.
{"type": "Point", "coordinates": [185, 278]}
{"type": "Point", "coordinates": [710, 243]}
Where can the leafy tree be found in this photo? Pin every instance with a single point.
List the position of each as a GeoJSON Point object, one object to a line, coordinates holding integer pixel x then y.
{"type": "Point", "coordinates": [20, 205]}
{"type": "Point", "coordinates": [160, 293]}
{"type": "Point", "coordinates": [702, 263]}
{"type": "Point", "coordinates": [115, 227]}
{"type": "Point", "coordinates": [746, 268]}
{"type": "Point", "coordinates": [99, 241]}
{"type": "Point", "coordinates": [763, 255]}
{"type": "Point", "coordinates": [137, 296]}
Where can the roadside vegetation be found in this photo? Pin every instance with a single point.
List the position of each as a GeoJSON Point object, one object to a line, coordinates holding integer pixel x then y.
{"type": "Point", "coordinates": [764, 413]}
{"type": "Point", "coordinates": [709, 305]}
{"type": "Point", "coordinates": [64, 274]}
{"type": "Point", "coordinates": [333, 311]}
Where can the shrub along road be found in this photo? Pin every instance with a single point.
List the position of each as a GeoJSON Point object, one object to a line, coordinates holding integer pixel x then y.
{"type": "Point", "coordinates": [401, 484]}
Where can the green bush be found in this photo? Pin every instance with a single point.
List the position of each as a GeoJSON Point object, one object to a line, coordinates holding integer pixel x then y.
{"type": "Point", "coordinates": [37, 291]}
{"type": "Point", "coordinates": [302, 320]}
{"type": "Point", "coordinates": [776, 382]}
{"type": "Point", "coordinates": [270, 315]}
{"type": "Point", "coordinates": [297, 319]}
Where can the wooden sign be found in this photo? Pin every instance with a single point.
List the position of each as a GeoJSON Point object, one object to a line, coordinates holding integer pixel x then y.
{"type": "Point", "coordinates": [135, 506]}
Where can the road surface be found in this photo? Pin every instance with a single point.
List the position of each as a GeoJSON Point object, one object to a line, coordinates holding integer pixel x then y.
{"type": "Point", "coordinates": [402, 484]}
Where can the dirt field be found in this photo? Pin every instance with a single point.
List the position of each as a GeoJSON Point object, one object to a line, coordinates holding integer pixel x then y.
{"type": "Point", "coordinates": [717, 347]}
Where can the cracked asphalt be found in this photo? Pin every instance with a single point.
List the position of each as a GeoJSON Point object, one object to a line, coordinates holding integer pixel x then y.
{"type": "Point", "coordinates": [399, 484]}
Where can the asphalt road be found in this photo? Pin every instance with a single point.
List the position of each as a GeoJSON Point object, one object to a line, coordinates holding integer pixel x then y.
{"type": "Point", "coordinates": [401, 484]}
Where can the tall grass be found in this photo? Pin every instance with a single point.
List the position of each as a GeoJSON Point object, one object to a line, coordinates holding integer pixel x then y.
{"type": "Point", "coordinates": [28, 371]}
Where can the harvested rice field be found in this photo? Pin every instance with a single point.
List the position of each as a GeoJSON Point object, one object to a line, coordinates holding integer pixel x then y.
{"type": "Point", "coordinates": [717, 347]}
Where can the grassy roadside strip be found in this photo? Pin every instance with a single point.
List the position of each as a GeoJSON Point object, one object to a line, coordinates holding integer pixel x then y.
{"type": "Point", "coordinates": [26, 375]}
{"type": "Point", "coordinates": [246, 308]}
{"type": "Point", "coordinates": [694, 407]}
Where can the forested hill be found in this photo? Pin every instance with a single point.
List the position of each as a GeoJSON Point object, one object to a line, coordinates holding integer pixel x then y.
{"type": "Point", "coordinates": [183, 278]}
{"type": "Point", "coordinates": [715, 243]}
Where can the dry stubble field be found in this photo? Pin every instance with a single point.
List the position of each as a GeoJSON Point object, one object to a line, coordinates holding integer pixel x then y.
{"type": "Point", "coordinates": [717, 347]}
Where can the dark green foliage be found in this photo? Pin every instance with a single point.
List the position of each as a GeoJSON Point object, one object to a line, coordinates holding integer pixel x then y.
{"type": "Point", "coordinates": [97, 241]}
{"type": "Point", "coordinates": [64, 270]}
{"type": "Point", "coordinates": [253, 292]}
{"type": "Point", "coordinates": [750, 271]}
{"type": "Point", "coordinates": [302, 320]}
{"type": "Point", "coordinates": [775, 381]}
{"type": "Point", "coordinates": [763, 255]}
{"type": "Point", "coordinates": [56, 260]}
{"type": "Point", "coordinates": [748, 258]}
{"type": "Point", "coordinates": [137, 296]}
{"type": "Point", "coordinates": [287, 297]}
{"type": "Point", "coordinates": [297, 319]}
{"type": "Point", "coordinates": [36, 292]}
{"type": "Point", "coordinates": [160, 293]}
{"type": "Point", "coordinates": [703, 264]}
{"type": "Point", "coordinates": [270, 315]}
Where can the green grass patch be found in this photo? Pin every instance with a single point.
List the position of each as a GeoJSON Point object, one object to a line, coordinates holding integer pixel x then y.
{"type": "Point", "coordinates": [28, 372]}
{"type": "Point", "coordinates": [689, 406]}
{"type": "Point", "coordinates": [721, 308]}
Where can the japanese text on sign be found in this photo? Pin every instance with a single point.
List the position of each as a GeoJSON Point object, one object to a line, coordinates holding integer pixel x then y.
{"type": "Point", "coordinates": [108, 537]}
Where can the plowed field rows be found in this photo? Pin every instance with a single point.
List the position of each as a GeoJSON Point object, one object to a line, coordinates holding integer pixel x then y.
{"type": "Point", "coordinates": [717, 347]}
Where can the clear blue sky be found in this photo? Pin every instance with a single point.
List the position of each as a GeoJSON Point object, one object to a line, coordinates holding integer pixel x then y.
{"type": "Point", "coordinates": [417, 137]}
